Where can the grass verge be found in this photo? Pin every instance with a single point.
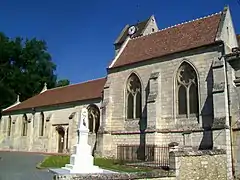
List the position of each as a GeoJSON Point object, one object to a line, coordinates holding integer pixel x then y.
{"type": "Point", "coordinates": [110, 164]}
{"type": "Point", "coordinates": [53, 162]}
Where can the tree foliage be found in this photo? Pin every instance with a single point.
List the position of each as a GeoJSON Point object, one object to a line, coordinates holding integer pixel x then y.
{"type": "Point", "coordinates": [25, 65]}
{"type": "Point", "coordinates": [63, 82]}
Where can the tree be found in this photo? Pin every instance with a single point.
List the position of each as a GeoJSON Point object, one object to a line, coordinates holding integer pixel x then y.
{"type": "Point", "coordinates": [25, 65]}
{"type": "Point", "coordinates": [63, 82]}
{"type": "Point", "coordinates": [7, 93]}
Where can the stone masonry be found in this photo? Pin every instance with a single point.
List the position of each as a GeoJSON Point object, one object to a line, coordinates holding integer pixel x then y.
{"type": "Point", "coordinates": [184, 164]}
{"type": "Point", "coordinates": [54, 117]}
{"type": "Point", "coordinates": [206, 164]}
{"type": "Point", "coordinates": [161, 116]}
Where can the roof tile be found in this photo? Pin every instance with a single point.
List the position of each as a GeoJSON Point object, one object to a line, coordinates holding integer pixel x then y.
{"type": "Point", "coordinates": [171, 40]}
{"type": "Point", "coordinates": [77, 92]}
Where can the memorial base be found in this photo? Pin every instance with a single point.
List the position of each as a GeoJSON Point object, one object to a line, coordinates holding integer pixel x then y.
{"type": "Point", "coordinates": [82, 160]}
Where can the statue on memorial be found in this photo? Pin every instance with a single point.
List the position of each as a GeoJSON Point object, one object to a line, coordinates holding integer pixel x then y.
{"type": "Point", "coordinates": [84, 118]}
{"type": "Point", "coordinates": [78, 135]}
{"type": "Point", "coordinates": [84, 123]}
{"type": "Point", "coordinates": [82, 160]}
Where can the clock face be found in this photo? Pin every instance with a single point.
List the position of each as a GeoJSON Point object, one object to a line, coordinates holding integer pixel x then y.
{"type": "Point", "coordinates": [131, 30]}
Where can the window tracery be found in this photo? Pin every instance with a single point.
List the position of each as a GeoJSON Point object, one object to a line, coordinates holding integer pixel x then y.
{"type": "Point", "coordinates": [93, 118]}
{"type": "Point", "coordinates": [134, 98]}
{"type": "Point", "coordinates": [187, 87]}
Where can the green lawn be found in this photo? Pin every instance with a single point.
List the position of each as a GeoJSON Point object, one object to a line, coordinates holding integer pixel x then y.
{"type": "Point", "coordinates": [60, 161]}
{"type": "Point", "coordinates": [54, 161]}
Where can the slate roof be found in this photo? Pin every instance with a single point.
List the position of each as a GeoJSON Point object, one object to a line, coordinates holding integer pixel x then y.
{"type": "Point", "coordinates": [72, 93]}
{"type": "Point", "coordinates": [178, 38]}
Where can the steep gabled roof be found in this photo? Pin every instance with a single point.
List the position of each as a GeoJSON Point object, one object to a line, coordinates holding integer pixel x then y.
{"type": "Point", "coordinates": [178, 38]}
{"type": "Point", "coordinates": [72, 93]}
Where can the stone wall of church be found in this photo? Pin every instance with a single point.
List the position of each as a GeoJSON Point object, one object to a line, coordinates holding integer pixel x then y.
{"type": "Point", "coordinates": [234, 95]}
{"type": "Point", "coordinates": [65, 116]}
{"type": "Point", "coordinates": [159, 114]}
{"type": "Point", "coordinates": [135, 140]}
{"type": "Point", "coordinates": [14, 140]}
{"type": "Point", "coordinates": [196, 140]}
{"type": "Point", "coordinates": [227, 33]}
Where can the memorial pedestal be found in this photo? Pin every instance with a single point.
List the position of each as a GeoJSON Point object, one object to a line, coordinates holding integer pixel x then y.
{"type": "Point", "coordinates": [82, 160]}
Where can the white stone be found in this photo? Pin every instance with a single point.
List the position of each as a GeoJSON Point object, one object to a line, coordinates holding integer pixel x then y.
{"type": "Point", "coordinates": [82, 162]}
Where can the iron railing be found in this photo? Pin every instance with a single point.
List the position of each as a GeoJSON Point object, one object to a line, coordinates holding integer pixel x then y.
{"type": "Point", "coordinates": [144, 155]}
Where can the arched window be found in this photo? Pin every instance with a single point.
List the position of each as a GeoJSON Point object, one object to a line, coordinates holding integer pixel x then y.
{"type": "Point", "coordinates": [93, 118]}
{"type": "Point", "coordinates": [24, 125]}
{"type": "Point", "coordinates": [187, 90]}
{"type": "Point", "coordinates": [41, 124]}
{"type": "Point", "coordinates": [134, 97]}
{"type": "Point", "coordinates": [9, 125]}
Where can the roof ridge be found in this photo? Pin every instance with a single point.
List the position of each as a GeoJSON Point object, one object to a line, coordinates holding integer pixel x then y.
{"type": "Point", "coordinates": [74, 84]}
{"type": "Point", "coordinates": [185, 22]}
{"type": "Point", "coordinates": [197, 19]}
{"type": "Point", "coordinates": [85, 91]}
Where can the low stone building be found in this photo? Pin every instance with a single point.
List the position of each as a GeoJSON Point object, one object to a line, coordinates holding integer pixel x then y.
{"type": "Point", "coordinates": [163, 86]}
{"type": "Point", "coordinates": [48, 122]}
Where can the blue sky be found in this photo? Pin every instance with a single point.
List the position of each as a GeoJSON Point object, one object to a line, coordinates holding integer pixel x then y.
{"type": "Point", "coordinates": [80, 34]}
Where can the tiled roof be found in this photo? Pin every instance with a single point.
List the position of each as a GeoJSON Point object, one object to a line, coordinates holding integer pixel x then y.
{"type": "Point", "coordinates": [178, 38]}
{"type": "Point", "coordinates": [72, 93]}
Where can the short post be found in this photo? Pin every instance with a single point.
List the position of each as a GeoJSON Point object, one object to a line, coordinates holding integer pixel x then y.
{"type": "Point", "coordinates": [174, 163]}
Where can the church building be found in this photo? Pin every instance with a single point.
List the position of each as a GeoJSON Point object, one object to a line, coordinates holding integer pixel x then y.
{"type": "Point", "coordinates": [178, 84]}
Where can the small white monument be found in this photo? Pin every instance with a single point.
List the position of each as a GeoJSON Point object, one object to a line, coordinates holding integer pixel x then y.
{"type": "Point", "coordinates": [82, 162]}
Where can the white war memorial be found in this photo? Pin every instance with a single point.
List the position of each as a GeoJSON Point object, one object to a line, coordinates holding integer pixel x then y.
{"type": "Point", "coordinates": [82, 161]}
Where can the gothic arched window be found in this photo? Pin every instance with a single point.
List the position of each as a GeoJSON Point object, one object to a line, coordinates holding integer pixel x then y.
{"type": "Point", "coordinates": [9, 125]}
{"type": "Point", "coordinates": [93, 118]}
{"type": "Point", "coordinates": [187, 90]}
{"type": "Point", "coordinates": [24, 125]}
{"type": "Point", "coordinates": [134, 97]}
{"type": "Point", "coordinates": [41, 124]}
